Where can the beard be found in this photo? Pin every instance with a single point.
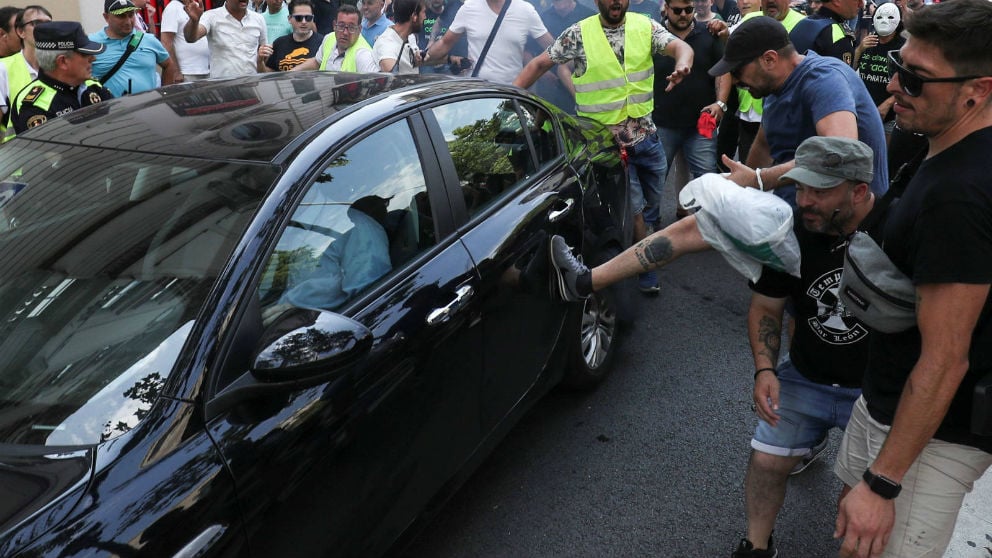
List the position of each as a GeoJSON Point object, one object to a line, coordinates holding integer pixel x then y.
{"type": "Point", "coordinates": [605, 9]}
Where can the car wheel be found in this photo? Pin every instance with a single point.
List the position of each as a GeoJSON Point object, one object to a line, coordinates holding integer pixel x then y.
{"type": "Point", "coordinates": [594, 338]}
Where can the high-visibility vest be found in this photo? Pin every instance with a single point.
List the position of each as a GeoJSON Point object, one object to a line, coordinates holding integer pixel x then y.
{"type": "Point", "coordinates": [607, 92]}
{"type": "Point", "coordinates": [42, 100]}
{"type": "Point", "coordinates": [18, 76]}
{"type": "Point", "coordinates": [747, 102]}
{"type": "Point", "coordinates": [348, 64]}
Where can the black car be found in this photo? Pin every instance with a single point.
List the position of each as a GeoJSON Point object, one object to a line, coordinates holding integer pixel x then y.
{"type": "Point", "coordinates": [284, 315]}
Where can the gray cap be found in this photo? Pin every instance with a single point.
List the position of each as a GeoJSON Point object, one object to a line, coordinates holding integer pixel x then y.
{"type": "Point", "coordinates": [825, 162]}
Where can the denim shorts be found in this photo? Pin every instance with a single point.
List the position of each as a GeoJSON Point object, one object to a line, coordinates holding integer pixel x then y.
{"type": "Point", "coordinates": [807, 411]}
{"type": "Point", "coordinates": [647, 168]}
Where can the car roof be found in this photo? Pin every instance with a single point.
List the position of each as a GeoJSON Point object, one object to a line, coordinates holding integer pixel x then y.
{"type": "Point", "coordinates": [251, 118]}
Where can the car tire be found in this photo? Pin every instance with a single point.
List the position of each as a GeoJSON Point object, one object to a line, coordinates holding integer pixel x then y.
{"type": "Point", "coordinates": [594, 336]}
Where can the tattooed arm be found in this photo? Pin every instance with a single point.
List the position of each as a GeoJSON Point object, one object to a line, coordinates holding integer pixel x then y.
{"type": "Point", "coordinates": [657, 250]}
{"type": "Point", "coordinates": [764, 330]}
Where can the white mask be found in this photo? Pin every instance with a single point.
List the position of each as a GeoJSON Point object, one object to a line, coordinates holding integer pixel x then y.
{"type": "Point", "coordinates": [886, 19]}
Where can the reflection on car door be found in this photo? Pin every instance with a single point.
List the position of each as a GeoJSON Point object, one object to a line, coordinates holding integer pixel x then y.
{"type": "Point", "coordinates": [343, 467]}
{"type": "Point", "coordinates": [517, 192]}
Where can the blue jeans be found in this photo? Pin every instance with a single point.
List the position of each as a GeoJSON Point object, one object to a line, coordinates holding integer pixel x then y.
{"type": "Point", "coordinates": [700, 152]}
{"type": "Point", "coordinates": [807, 410]}
{"type": "Point", "coordinates": [647, 167]}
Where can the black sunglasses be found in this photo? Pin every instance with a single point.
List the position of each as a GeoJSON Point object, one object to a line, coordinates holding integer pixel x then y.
{"type": "Point", "coordinates": [680, 11]}
{"type": "Point", "coordinates": [911, 82]}
{"type": "Point", "coordinates": [302, 18]}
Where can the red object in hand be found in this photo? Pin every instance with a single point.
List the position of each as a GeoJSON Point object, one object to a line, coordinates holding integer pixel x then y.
{"type": "Point", "coordinates": [706, 124]}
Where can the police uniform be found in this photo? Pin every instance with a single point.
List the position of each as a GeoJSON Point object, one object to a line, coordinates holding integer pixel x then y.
{"type": "Point", "coordinates": [47, 97]}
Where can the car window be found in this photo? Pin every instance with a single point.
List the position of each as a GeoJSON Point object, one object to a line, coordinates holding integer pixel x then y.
{"type": "Point", "coordinates": [541, 128]}
{"type": "Point", "coordinates": [106, 259]}
{"type": "Point", "coordinates": [366, 214]}
{"type": "Point", "coordinates": [489, 148]}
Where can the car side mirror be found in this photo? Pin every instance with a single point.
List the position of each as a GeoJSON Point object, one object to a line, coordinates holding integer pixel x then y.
{"type": "Point", "coordinates": [307, 344]}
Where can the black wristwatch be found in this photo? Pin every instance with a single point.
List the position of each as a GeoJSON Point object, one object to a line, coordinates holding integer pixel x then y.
{"type": "Point", "coordinates": [884, 487]}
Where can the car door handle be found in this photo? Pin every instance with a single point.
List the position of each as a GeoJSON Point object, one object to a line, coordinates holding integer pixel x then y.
{"type": "Point", "coordinates": [443, 314]}
{"type": "Point", "coordinates": [557, 214]}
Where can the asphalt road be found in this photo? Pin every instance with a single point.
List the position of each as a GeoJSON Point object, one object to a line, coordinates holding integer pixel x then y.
{"type": "Point", "coordinates": [652, 462]}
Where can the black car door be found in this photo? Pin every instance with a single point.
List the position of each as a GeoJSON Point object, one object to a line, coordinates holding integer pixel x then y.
{"type": "Point", "coordinates": [343, 467]}
{"type": "Point", "coordinates": [516, 191]}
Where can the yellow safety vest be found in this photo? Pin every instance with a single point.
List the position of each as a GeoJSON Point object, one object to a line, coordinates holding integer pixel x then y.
{"type": "Point", "coordinates": [18, 77]}
{"type": "Point", "coordinates": [350, 55]}
{"type": "Point", "coordinates": [607, 92]}
{"type": "Point", "coordinates": [747, 102]}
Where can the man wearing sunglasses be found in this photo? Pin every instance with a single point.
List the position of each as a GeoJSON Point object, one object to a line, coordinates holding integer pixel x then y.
{"type": "Point", "coordinates": [921, 435]}
{"type": "Point", "coordinates": [344, 49]}
{"type": "Point", "coordinates": [805, 96]}
{"type": "Point", "coordinates": [289, 51]}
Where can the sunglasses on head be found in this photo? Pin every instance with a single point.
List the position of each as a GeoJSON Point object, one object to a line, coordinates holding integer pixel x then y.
{"type": "Point", "coordinates": [680, 11]}
{"type": "Point", "coordinates": [910, 82]}
{"type": "Point", "coordinates": [301, 18]}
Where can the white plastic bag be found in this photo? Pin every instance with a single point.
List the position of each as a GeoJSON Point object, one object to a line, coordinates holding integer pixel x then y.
{"type": "Point", "coordinates": [748, 227]}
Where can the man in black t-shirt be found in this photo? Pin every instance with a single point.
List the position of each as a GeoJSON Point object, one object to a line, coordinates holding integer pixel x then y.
{"type": "Point", "coordinates": [800, 399]}
{"type": "Point", "coordinates": [289, 51]}
{"type": "Point", "coordinates": [677, 112]}
{"type": "Point", "coordinates": [913, 448]}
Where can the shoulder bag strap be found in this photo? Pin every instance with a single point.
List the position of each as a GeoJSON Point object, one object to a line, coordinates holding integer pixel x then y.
{"type": "Point", "coordinates": [896, 188]}
{"type": "Point", "coordinates": [489, 41]}
{"type": "Point", "coordinates": [132, 46]}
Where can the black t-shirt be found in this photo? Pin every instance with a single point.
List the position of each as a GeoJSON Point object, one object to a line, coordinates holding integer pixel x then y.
{"type": "Point", "coordinates": [287, 53]}
{"type": "Point", "coordinates": [679, 108]}
{"type": "Point", "coordinates": [324, 14]}
{"type": "Point", "coordinates": [874, 71]}
{"type": "Point", "coordinates": [830, 345]}
{"type": "Point", "coordinates": [940, 231]}
{"type": "Point", "coordinates": [443, 21]}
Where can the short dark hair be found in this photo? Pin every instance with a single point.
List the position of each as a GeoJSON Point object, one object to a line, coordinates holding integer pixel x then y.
{"type": "Point", "coordinates": [26, 9]}
{"type": "Point", "coordinates": [403, 10]}
{"type": "Point", "coordinates": [295, 3]}
{"type": "Point", "coordinates": [348, 9]}
{"type": "Point", "coordinates": [960, 29]}
{"type": "Point", "coordinates": [6, 13]}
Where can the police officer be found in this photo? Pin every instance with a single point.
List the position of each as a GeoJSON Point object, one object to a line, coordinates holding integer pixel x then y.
{"type": "Point", "coordinates": [65, 60]}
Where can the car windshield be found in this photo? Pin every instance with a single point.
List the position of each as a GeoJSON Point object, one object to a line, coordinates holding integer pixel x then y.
{"type": "Point", "coordinates": [106, 258]}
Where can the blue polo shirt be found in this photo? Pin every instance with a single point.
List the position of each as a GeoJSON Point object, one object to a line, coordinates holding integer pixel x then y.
{"type": "Point", "coordinates": [371, 32]}
{"type": "Point", "coordinates": [138, 73]}
{"type": "Point", "coordinates": [818, 87]}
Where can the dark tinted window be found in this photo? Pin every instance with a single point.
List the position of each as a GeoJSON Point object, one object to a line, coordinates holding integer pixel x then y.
{"type": "Point", "coordinates": [364, 217]}
{"type": "Point", "coordinates": [489, 146]}
{"type": "Point", "coordinates": [106, 258]}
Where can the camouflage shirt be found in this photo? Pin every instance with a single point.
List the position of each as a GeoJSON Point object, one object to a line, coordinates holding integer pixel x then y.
{"type": "Point", "coordinates": [568, 49]}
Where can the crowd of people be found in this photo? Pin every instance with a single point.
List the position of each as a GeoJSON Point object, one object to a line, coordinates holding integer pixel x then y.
{"type": "Point", "coordinates": [820, 109]}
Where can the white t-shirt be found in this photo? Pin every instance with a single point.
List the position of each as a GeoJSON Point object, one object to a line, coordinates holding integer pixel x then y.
{"type": "Point", "coordinates": [194, 58]}
{"type": "Point", "coordinates": [388, 46]}
{"type": "Point", "coordinates": [233, 44]}
{"type": "Point", "coordinates": [364, 59]}
{"type": "Point", "coordinates": [505, 58]}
